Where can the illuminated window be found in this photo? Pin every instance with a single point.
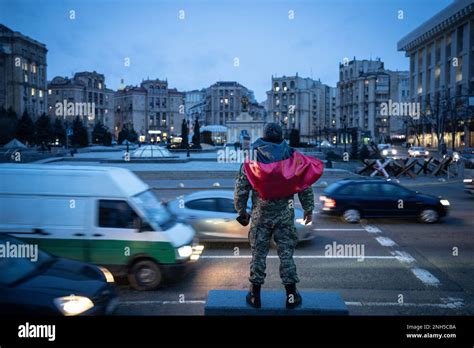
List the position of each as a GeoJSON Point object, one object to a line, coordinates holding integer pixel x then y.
{"type": "Point", "coordinates": [33, 68]}
{"type": "Point", "coordinates": [49, 92]}
{"type": "Point", "coordinates": [40, 93]}
{"type": "Point", "coordinates": [100, 85]}
{"type": "Point", "coordinates": [26, 77]}
{"type": "Point", "coordinates": [33, 92]}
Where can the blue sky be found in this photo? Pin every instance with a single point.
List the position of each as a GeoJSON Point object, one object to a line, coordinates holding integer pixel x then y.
{"type": "Point", "coordinates": [198, 50]}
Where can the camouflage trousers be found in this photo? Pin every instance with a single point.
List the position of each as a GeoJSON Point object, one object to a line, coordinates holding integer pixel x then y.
{"type": "Point", "coordinates": [286, 239]}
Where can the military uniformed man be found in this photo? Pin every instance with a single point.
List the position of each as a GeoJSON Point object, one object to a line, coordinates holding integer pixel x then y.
{"type": "Point", "coordinates": [271, 218]}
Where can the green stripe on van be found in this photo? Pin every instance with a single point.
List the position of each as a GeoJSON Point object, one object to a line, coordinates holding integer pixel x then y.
{"type": "Point", "coordinates": [106, 252]}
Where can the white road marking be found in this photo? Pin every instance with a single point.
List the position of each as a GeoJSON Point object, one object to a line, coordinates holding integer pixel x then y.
{"type": "Point", "coordinates": [448, 303]}
{"type": "Point", "coordinates": [426, 277]}
{"type": "Point", "coordinates": [384, 241]}
{"type": "Point", "coordinates": [453, 304]}
{"type": "Point", "coordinates": [372, 229]}
{"type": "Point", "coordinates": [161, 302]}
{"type": "Point", "coordinates": [338, 229]}
{"type": "Point", "coordinates": [403, 256]}
{"type": "Point", "coordinates": [297, 257]}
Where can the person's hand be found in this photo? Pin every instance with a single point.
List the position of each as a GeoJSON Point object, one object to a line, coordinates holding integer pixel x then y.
{"type": "Point", "coordinates": [308, 217]}
{"type": "Point", "coordinates": [244, 219]}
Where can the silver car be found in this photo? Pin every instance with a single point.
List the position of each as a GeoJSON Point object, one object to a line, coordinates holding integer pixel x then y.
{"type": "Point", "coordinates": [212, 214]}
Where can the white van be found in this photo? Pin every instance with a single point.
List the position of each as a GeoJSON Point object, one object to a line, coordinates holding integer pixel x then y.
{"type": "Point", "coordinates": [101, 215]}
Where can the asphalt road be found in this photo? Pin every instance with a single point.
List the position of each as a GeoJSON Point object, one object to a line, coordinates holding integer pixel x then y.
{"type": "Point", "coordinates": [408, 268]}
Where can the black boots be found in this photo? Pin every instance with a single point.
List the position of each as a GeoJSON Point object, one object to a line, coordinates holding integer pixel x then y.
{"type": "Point", "coordinates": [253, 297]}
{"type": "Point", "coordinates": [293, 297]}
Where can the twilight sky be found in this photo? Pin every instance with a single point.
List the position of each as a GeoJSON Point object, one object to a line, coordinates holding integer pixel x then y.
{"type": "Point", "coordinates": [199, 50]}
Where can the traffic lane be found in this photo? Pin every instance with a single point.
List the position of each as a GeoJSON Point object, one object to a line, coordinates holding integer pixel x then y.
{"type": "Point", "coordinates": [372, 287]}
{"type": "Point", "coordinates": [447, 246]}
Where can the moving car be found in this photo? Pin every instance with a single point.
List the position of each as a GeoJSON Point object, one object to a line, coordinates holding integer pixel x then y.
{"type": "Point", "coordinates": [469, 186]}
{"type": "Point", "coordinates": [101, 215]}
{"type": "Point", "coordinates": [43, 284]}
{"type": "Point", "coordinates": [354, 199]}
{"type": "Point", "coordinates": [417, 151]}
{"type": "Point", "coordinates": [387, 150]}
{"type": "Point", "coordinates": [468, 156]}
{"type": "Point", "coordinates": [212, 214]}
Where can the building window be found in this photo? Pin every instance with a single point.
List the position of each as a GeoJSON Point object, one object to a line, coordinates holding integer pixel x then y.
{"type": "Point", "coordinates": [49, 92]}
{"type": "Point", "coordinates": [276, 87]}
{"type": "Point", "coordinates": [100, 85]}
{"type": "Point", "coordinates": [33, 68]}
{"type": "Point", "coordinates": [459, 70]}
{"type": "Point", "coordinates": [40, 93]}
{"type": "Point", "coordinates": [33, 92]}
{"type": "Point", "coordinates": [26, 77]}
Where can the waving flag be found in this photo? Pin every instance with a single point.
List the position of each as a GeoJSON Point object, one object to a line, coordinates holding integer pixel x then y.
{"type": "Point", "coordinates": [279, 171]}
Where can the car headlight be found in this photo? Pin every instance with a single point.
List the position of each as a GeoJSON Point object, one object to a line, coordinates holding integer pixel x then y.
{"type": "Point", "coordinates": [426, 153]}
{"type": "Point", "coordinates": [384, 152]}
{"type": "Point", "coordinates": [73, 305]}
{"type": "Point", "coordinates": [467, 181]}
{"type": "Point", "coordinates": [185, 251]}
{"type": "Point", "coordinates": [108, 276]}
{"type": "Point", "coordinates": [394, 152]}
{"type": "Point", "coordinates": [444, 202]}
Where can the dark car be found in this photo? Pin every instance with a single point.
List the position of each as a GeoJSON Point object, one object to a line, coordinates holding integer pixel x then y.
{"type": "Point", "coordinates": [469, 186]}
{"type": "Point", "coordinates": [353, 199]}
{"type": "Point", "coordinates": [42, 284]}
{"type": "Point", "coordinates": [468, 156]}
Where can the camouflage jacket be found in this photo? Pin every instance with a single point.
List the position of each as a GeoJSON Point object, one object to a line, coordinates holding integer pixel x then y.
{"type": "Point", "coordinates": [277, 211]}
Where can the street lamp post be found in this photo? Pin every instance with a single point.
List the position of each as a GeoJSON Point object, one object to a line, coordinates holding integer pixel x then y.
{"type": "Point", "coordinates": [344, 123]}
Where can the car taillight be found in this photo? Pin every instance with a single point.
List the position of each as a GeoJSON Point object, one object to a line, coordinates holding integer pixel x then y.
{"type": "Point", "coordinates": [329, 203]}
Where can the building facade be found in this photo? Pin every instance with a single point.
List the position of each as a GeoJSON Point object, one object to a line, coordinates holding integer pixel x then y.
{"type": "Point", "coordinates": [365, 87]}
{"type": "Point", "coordinates": [131, 111]}
{"type": "Point", "coordinates": [442, 76]}
{"type": "Point", "coordinates": [300, 103]}
{"type": "Point", "coordinates": [85, 96]}
{"type": "Point", "coordinates": [223, 102]}
{"type": "Point", "coordinates": [23, 68]}
{"type": "Point", "coordinates": [194, 105]}
{"type": "Point", "coordinates": [152, 109]}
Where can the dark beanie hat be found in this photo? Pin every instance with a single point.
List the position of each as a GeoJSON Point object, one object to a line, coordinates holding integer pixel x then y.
{"type": "Point", "coordinates": [273, 133]}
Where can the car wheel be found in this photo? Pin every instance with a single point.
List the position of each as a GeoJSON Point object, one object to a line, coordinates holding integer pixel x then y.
{"type": "Point", "coordinates": [145, 275]}
{"type": "Point", "coordinates": [351, 216]}
{"type": "Point", "coordinates": [429, 216]}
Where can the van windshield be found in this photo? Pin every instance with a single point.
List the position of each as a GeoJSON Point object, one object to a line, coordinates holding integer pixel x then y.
{"type": "Point", "coordinates": [155, 212]}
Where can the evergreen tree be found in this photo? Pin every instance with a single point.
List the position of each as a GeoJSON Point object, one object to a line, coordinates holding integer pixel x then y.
{"type": "Point", "coordinates": [123, 135]}
{"type": "Point", "coordinates": [197, 135]}
{"type": "Point", "coordinates": [184, 135]}
{"type": "Point", "coordinates": [108, 139]}
{"type": "Point", "coordinates": [355, 144]}
{"type": "Point", "coordinates": [8, 125]}
{"type": "Point", "coordinates": [99, 133]}
{"type": "Point", "coordinates": [59, 131]}
{"type": "Point", "coordinates": [44, 131]}
{"type": "Point", "coordinates": [79, 137]}
{"type": "Point", "coordinates": [294, 137]}
{"type": "Point", "coordinates": [25, 131]}
{"type": "Point", "coordinates": [132, 136]}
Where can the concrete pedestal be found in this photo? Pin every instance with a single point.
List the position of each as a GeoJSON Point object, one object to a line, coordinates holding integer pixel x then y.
{"type": "Point", "coordinates": [232, 303]}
